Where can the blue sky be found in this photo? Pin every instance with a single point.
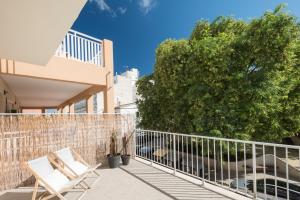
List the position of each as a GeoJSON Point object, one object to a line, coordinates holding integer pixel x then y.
{"type": "Point", "coordinates": [137, 27]}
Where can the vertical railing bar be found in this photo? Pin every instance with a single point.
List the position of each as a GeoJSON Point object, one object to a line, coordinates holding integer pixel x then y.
{"type": "Point", "coordinates": [197, 157]}
{"type": "Point", "coordinates": [136, 139]}
{"type": "Point", "coordinates": [138, 143]}
{"type": "Point", "coordinates": [215, 162]}
{"type": "Point", "coordinates": [192, 154]}
{"type": "Point", "coordinates": [275, 171]}
{"type": "Point", "coordinates": [228, 161]}
{"type": "Point", "coordinates": [137, 147]}
{"type": "Point", "coordinates": [187, 154]}
{"type": "Point", "coordinates": [221, 157]}
{"type": "Point", "coordinates": [287, 172]}
{"type": "Point", "coordinates": [182, 163]}
{"type": "Point", "coordinates": [101, 55]}
{"type": "Point", "coordinates": [264, 166]}
{"type": "Point", "coordinates": [156, 147]}
{"type": "Point", "coordinates": [134, 143]}
{"type": "Point", "coordinates": [89, 51]}
{"type": "Point", "coordinates": [174, 154]}
{"type": "Point", "coordinates": [245, 167]}
{"type": "Point", "coordinates": [151, 147]}
{"type": "Point", "coordinates": [208, 161]}
{"type": "Point", "coordinates": [82, 50]}
{"type": "Point", "coordinates": [98, 54]}
{"type": "Point", "coordinates": [69, 46]}
{"type": "Point", "coordinates": [147, 150]}
{"type": "Point", "coordinates": [79, 49]}
{"type": "Point", "coordinates": [160, 145]}
{"type": "Point", "coordinates": [236, 165]}
{"type": "Point", "coordinates": [167, 144]}
{"type": "Point", "coordinates": [75, 46]}
{"type": "Point", "coordinates": [85, 50]}
{"type": "Point", "coordinates": [254, 170]}
{"type": "Point", "coordinates": [202, 161]}
{"type": "Point", "coordinates": [164, 146]}
{"type": "Point", "coordinates": [299, 158]}
{"type": "Point", "coordinates": [94, 53]}
{"type": "Point", "coordinates": [178, 159]}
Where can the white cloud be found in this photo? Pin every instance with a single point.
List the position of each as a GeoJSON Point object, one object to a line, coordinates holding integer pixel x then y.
{"type": "Point", "coordinates": [146, 5]}
{"type": "Point", "coordinates": [102, 5]}
{"type": "Point", "coordinates": [122, 10]}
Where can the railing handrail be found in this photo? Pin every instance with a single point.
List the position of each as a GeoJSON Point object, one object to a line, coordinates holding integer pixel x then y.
{"type": "Point", "coordinates": [226, 139]}
{"type": "Point", "coordinates": [84, 35]}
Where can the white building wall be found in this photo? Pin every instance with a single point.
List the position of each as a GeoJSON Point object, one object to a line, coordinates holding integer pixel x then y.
{"type": "Point", "coordinates": [124, 91]}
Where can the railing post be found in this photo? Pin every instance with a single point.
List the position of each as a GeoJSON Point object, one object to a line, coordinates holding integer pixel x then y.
{"type": "Point", "coordinates": [134, 143]}
{"type": "Point", "coordinates": [254, 171]}
{"type": "Point", "coordinates": [174, 153]}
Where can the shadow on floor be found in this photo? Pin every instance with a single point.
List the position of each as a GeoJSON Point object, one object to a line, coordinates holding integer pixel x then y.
{"type": "Point", "coordinates": [170, 185]}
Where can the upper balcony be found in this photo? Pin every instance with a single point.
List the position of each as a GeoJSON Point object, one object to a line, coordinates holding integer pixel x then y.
{"type": "Point", "coordinates": [80, 67]}
{"type": "Point", "coordinates": [81, 47]}
{"type": "Point", "coordinates": [79, 58]}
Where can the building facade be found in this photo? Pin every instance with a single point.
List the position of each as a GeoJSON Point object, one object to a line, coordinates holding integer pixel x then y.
{"type": "Point", "coordinates": [52, 68]}
{"type": "Point", "coordinates": [125, 93]}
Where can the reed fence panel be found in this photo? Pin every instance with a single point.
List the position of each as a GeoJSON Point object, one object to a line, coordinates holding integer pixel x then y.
{"type": "Point", "coordinates": [25, 137]}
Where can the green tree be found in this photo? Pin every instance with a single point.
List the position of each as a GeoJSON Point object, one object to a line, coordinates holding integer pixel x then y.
{"type": "Point", "coordinates": [230, 78]}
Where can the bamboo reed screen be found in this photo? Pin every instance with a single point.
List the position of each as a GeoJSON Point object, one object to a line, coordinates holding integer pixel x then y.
{"type": "Point", "coordinates": [25, 137]}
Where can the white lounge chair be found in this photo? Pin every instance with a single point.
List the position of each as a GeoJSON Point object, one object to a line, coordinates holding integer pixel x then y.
{"type": "Point", "coordinates": [74, 164]}
{"type": "Point", "coordinates": [53, 180]}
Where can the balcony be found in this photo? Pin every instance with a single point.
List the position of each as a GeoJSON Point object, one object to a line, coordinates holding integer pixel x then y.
{"type": "Point", "coordinates": [81, 47]}
{"type": "Point", "coordinates": [80, 67]}
{"type": "Point", "coordinates": [164, 165]}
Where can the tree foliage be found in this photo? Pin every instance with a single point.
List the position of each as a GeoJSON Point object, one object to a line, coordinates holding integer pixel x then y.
{"type": "Point", "coordinates": [231, 78]}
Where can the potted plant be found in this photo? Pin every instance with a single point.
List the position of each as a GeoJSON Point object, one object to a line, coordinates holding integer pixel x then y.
{"type": "Point", "coordinates": [125, 157]}
{"type": "Point", "coordinates": [113, 157]}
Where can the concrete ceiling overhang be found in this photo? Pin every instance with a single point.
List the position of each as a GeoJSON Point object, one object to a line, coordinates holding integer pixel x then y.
{"type": "Point", "coordinates": [31, 30]}
{"type": "Point", "coordinates": [34, 92]}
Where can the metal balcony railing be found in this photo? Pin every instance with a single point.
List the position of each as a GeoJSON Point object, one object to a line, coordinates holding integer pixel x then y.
{"type": "Point", "coordinates": [81, 47]}
{"type": "Point", "coordinates": [254, 169]}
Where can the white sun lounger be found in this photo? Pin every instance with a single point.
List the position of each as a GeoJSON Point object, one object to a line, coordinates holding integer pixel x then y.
{"type": "Point", "coordinates": [74, 164]}
{"type": "Point", "coordinates": [53, 180]}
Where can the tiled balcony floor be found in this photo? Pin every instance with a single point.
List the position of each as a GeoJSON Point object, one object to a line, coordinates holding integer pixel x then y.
{"type": "Point", "coordinates": [137, 181]}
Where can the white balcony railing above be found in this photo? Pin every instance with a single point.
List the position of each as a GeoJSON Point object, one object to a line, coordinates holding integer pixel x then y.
{"type": "Point", "coordinates": [81, 47]}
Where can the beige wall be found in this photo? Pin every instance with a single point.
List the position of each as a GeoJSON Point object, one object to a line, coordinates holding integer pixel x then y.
{"type": "Point", "coordinates": [58, 68]}
{"type": "Point", "coordinates": [108, 92]}
{"type": "Point", "coordinates": [36, 111]}
{"type": "Point", "coordinates": [12, 101]}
